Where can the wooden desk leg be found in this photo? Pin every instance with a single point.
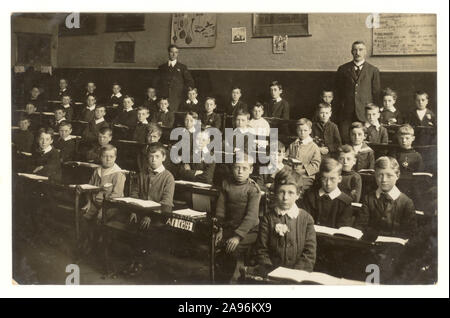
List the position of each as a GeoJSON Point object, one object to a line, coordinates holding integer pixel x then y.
{"type": "Point", "coordinates": [212, 250]}
{"type": "Point", "coordinates": [77, 215]}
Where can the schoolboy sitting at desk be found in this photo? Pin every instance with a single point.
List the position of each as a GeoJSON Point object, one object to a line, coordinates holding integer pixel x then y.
{"type": "Point", "coordinates": [235, 105]}
{"type": "Point", "coordinates": [237, 209]}
{"type": "Point", "coordinates": [65, 142]}
{"type": "Point", "coordinates": [151, 101]}
{"type": "Point", "coordinates": [164, 117]}
{"type": "Point", "coordinates": [286, 235]}
{"type": "Point", "coordinates": [90, 133]}
{"type": "Point", "coordinates": [116, 99]}
{"type": "Point", "coordinates": [375, 132]}
{"type": "Point", "coordinates": [326, 131]}
{"type": "Point", "coordinates": [421, 116]}
{"type": "Point", "coordinates": [365, 157]}
{"type": "Point", "coordinates": [410, 160]}
{"type": "Point", "coordinates": [351, 183]}
{"type": "Point", "coordinates": [60, 116]}
{"type": "Point", "coordinates": [208, 117]}
{"type": "Point", "coordinates": [387, 210]}
{"type": "Point", "coordinates": [390, 115]}
{"type": "Point", "coordinates": [307, 152]}
{"type": "Point", "coordinates": [35, 98]}
{"type": "Point", "coordinates": [104, 137]}
{"type": "Point", "coordinates": [127, 116]}
{"type": "Point", "coordinates": [23, 138]}
{"type": "Point", "coordinates": [88, 112]}
{"type": "Point", "coordinates": [140, 132]}
{"type": "Point", "coordinates": [46, 160]}
{"type": "Point", "coordinates": [327, 204]}
{"type": "Point", "coordinates": [65, 102]}
{"type": "Point", "coordinates": [191, 104]}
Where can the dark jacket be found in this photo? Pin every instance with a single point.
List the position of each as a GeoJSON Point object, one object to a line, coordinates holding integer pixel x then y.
{"type": "Point", "coordinates": [90, 133]}
{"type": "Point", "coordinates": [278, 109]}
{"type": "Point", "coordinates": [409, 160]}
{"type": "Point", "coordinates": [167, 119]}
{"type": "Point", "coordinates": [377, 136]}
{"type": "Point", "coordinates": [127, 118]}
{"type": "Point", "coordinates": [66, 149]}
{"type": "Point", "coordinates": [428, 120]}
{"type": "Point", "coordinates": [213, 120]}
{"type": "Point", "coordinates": [329, 134]}
{"type": "Point", "coordinates": [232, 110]}
{"type": "Point", "coordinates": [51, 163]}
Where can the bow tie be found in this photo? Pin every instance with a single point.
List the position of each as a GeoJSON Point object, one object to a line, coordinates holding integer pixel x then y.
{"type": "Point", "coordinates": [325, 197]}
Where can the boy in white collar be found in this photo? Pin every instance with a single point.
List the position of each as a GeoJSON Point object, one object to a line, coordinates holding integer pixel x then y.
{"type": "Point", "coordinates": [116, 99]}
{"type": "Point", "coordinates": [128, 115]}
{"type": "Point", "coordinates": [104, 137]}
{"type": "Point", "coordinates": [208, 117]}
{"type": "Point", "coordinates": [98, 122]}
{"type": "Point", "coordinates": [46, 160]}
{"type": "Point", "coordinates": [87, 114]}
{"type": "Point", "coordinates": [164, 117]}
{"type": "Point", "coordinates": [236, 104]}
{"type": "Point", "coordinates": [286, 235]}
{"type": "Point", "coordinates": [151, 100]}
{"type": "Point", "coordinates": [306, 151]}
{"type": "Point", "coordinates": [260, 126]}
{"type": "Point", "coordinates": [65, 143]}
{"type": "Point", "coordinates": [328, 205]}
{"type": "Point", "coordinates": [140, 132]}
{"type": "Point", "coordinates": [376, 133]}
{"type": "Point", "coordinates": [387, 210]}
{"type": "Point", "coordinates": [60, 116]}
{"type": "Point", "coordinates": [65, 101]}
{"type": "Point", "coordinates": [422, 116]}
{"type": "Point", "coordinates": [365, 156]}
{"type": "Point", "coordinates": [192, 103]}
{"type": "Point", "coordinates": [389, 114]}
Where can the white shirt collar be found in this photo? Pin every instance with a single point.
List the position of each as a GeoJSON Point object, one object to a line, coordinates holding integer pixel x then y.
{"type": "Point", "coordinates": [191, 130]}
{"type": "Point", "coordinates": [61, 120]}
{"type": "Point", "coordinates": [292, 212]}
{"type": "Point", "coordinates": [118, 95]}
{"type": "Point", "coordinates": [377, 125]}
{"type": "Point", "coordinates": [392, 109]}
{"type": "Point", "coordinates": [145, 122]}
{"type": "Point", "coordinates": [195, 101]}
{"type": "Point", "coordinates": [98, 121]}
{"type": "Point", "coordinates": [421, 113]}
{"type": "Point", "coordinates": [164, 111]}
{"type": "Point", "coordinates": [128, 109]}
{"type": "Point", "coordinates": [152, 98]}
{"type": "Point", "coordinates": [158, 170]}
{"type": "Point", "coordinates": [172, 63]}
{"type": "Point", "coordinates": [305, 141]}
{"type": "Point", "coordinates": [333, 194]}
{"type": "Point", "coordinates": [48, 149]}
{"type": "Point", "coordinates": [359, 63]}
{"type": "Point", "coordinates": [66, 106]}
{"type": "Point", "coordinates": [91, 108]}
{"type": "Point", "coordinates": [68, 138]}
{"type": "Point", "coordinates": [234, 103]}
{"type": "Point", "coordinates": [104, 172]}
{"type": "Point", "coordinates": [394, 193]}
{"type": "Point", "coordinates": [278, 99]}
{"type": "Point", "coordinates": [357, 148]}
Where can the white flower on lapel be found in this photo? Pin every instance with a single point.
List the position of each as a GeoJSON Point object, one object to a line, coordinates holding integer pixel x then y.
{"type": "Point", "coordinates": [281, 229]}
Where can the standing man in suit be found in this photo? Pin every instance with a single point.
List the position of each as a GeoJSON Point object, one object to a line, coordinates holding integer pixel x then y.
{"type": "Point", "coordinates": [357, 84]}
{"type": "Point", "coordinates": [173, 79]}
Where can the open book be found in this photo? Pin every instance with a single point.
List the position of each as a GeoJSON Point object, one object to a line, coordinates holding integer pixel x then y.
{"type": "Point", "coordinates": [190, 213]}
{"type": "Point", "coordinates": [139, 202]}
{"type": "Point", "coordinates": [293, 161]}
{"type": "Point", "coordinates": [301, 276]}
{"type": "Point", "coordinates": [83, 164]}
{"type": "Point", "coordinates": [366, 171]}
{"type": "Point", "coordinates": [33, 176]}
{"type": "Point", "coordinates": [196, 184]}
{"type": "Point", "coordinates": [389, 239]}
{"type": "Point", "coordinates": [84, 186]}
{"type": "Point", "coordinates": [423, 174]}
{"type": "Point", "coordinates": [345, 231]}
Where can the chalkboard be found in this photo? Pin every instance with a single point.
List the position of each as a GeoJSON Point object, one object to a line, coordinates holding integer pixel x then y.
{"type": "Point", "coordinates": [404, 34]}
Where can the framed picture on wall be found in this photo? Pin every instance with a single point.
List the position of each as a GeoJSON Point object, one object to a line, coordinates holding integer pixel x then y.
{"type": "Point", "coordinates": [124, 52]}
{"type": "Point", "coordinates": [239, 35]}
{"type": "Point", "coordinates": [267, 25]}
{"type": "Point", "coordinates": [193, 30]}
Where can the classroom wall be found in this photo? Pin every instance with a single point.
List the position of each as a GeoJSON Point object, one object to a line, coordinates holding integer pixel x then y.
{"type": "Point", "coordinates": [327, 48]}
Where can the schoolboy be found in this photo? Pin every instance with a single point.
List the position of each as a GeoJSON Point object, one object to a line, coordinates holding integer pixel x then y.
{"type": "Point", "coordinates": [236, 104]}
{"type": "Point", "coordinates": [23, 138]}
{"type": "Point", "coordinates": [390, 115]}
{"type": "Point", "coordinates": [164, 117]}
{"type": "Point", "coordinates": [365, 157]}
{"type": "Point", "coordinates": [65, 143]}
{"type": "Point", "coordinates": [209, 118]}
{"type": "Point", "coordinates": [46, 160]}
{"type": "Point", "coordinates": [351, 183]}
{"type": "Point", "coordinates": [375, 132]}
{"type": "Point", "coordinates": [326, 131]}
{"type": "Point", "coordinates": [421, 116]}
{"type": "Point", "coordinates": [410, 160]}
{"type": "Point", "coordinates": [104, 137]}
{"type": "Point", "coordinates": [140, 132]}
{"type": "Point", "coordinates": [128, 115]}
{"type": "Point", "coordinates": [151, 100]}
{"type": "Point", "coordinates": [192, 103]}
{"type": "Point", "coordinates": [88, 112]}
{"type": "Point", "coordinates": [277, 106]}
{"type": "Point", "coordinates": [90, 133]}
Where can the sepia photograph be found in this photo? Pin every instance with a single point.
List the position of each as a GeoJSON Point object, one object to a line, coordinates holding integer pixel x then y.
{"type": "Point", "coordinates": [148, 149]}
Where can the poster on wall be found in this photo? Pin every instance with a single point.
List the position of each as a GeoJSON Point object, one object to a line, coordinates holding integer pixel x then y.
{"type": "Point", "coordinates": [193, 29]}
{"type": "Point", "coordinates": [239, 35]}
{"type": "Point", "coordinates": [279, 44]}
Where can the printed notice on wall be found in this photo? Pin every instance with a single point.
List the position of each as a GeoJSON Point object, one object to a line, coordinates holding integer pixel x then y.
{"type": "Point", "coordinates": [405, 34]}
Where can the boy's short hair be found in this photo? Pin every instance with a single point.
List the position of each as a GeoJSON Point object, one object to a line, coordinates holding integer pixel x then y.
{"type": "Point", "coordinates": [24, 117]}
{"type": "Point", "coordinates": [390, 92]}
{"type": "Point", "coordinates": [347, 149]}
{"type": "Point", "coordinates": [372, 106]}
{"type": "Point", "coordinates": [242, 112]}
{"type": "Point", "coordinates": [172, 46]}
{"type": "Point", "coordinates": [152, 127]}
{"type": "Point", "coordinates": [65, 123]}
{"type": "Point", "coordinates": [387, 162]}
{"type": "Point", "coordinates": [46, 130]}
{"type": "Point", "coordinates": [60, 107]}
{"type": "Point", "coordinates": [155, 147]}
{"type": "Point", "coordinates": [130, 97]}
{"type": "Point", "coordinates": [90, 95]}
{"type": "Point", "coordinates": [323, 105]}
{"type": "Point", "coordinates": [287, 177]}
{"type": "Point", "coordinates": [100, 106]}
{"type": "Point", "coordinates": [30, 104]}
{"type": "Point", "coordinates": [420, 92]}
{"type": "Point", "coordinates": [236, 87]}
{"type": "Point", "coordinates": [64, 79]}
{"type": "Point", "coordinates": [358, 125]}
{"type": "Point", "coordinates": [358, 42]}
{"type": "Point", "coordinates": [258, 104]}
{"type": "Point", "coordinates": [276, 83]}
{"type": "Point", "coordinates": [163, 98]}
{"type": "Point", "coordinates": [115, 83]}
{"type": "Point", "coordinates": [210, 98]}
{"type": "Point", "coordinates": [105, 130]}
{"type": "Point", "coordinates": [326, 90]}
{"type": "Point", "coordinates": [241, 157]}
{"type": "Point", "coordinates": [89, 82]}
{"type": "Point", "coordinates": [304, 121]}
{"type": "Point", "coordinates": [405, 129]}
{"type": "Point", "coordinates": [192, 114]}
{"type": "Point", "coordinates": [143, 108]}
{"type": "Point", "coordinates": [108, 148]}
{"type": "Point", "coordinates": [329, 165]}
{"type": "Point", "coordinates": [192, 89]}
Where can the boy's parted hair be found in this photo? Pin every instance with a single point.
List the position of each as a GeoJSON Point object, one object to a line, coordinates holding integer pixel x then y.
{"type": "Point", "coordinates": [330, 164]}
{"type": "Point", "coordinates": [210, 98]}
{"type": "Point", "coordinates": [155, 147]}
{"type": "Point", "coordinates": [287, 177]}
{"type": "Point", "coordinates": [304, 121]}
{"type": "Point", "coordinates": [420, 92]}
{"type": "Point", "coordinates": [358, 125]}
{"type": "Point", "coordinates": [46, 130]}
{"type": "Point", "coordinates": [172, 46]}
{"type": "Point", "coordinates": [242, 112]}
{"type": "Point", "coordinates": [91, 95]}
{"type": "Point", "coordinates": [276, 83]}
{"type": "Point", "coordinates": [192, 114]}
{"type": "Point", "coordinates": [405, 129]}
{"type": "Point", "coordinates": [152, 127]}
{"type": "Point", "coordinates": [326, 90]}
{"type": "Point", "coordinates": [143, 108]}
{"type": "Point", "coordinates": [236, 87]}
{"type": "Point", "coordinates": [258, 104]}
{"type": "Point", "coordinates": [108, 148]}
{"type": "Point", "coordinates": [390, 92]}
{"type": "Point", "coordinates": [130, 97]}
{"type": "Point", "coordinates": [65, 123]}
{"type": "Point", "coordinates": [385, 162]}
{"type": "Point", "coordinates": [100, 106]}
{"type": "Point", "coordinates": [323, 105]}
{"type": "Point", "coordinates": [192, 89]}
{"type": "Point", "coordinates": [105, 130]}
{"type": "Point", "coordinates": [347, 149]}
{"type": "Point", "coordinates": [60, 107]}
{"type": "Point", "coordinates": [372, 106]}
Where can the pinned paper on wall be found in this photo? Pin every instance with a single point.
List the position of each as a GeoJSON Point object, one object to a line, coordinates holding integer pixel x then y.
{"type": "Point", "coordinates": [279, 44]}
{"type": "Point", "coordinates": [46, 69]}
{"type": "Point", "coordinates": [19, 69]}
{"type": "Point", "coordinates": [193, 29]}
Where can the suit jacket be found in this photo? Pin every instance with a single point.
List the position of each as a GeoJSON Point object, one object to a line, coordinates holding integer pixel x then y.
{"type": "Point", "coordinates": [428, 120]}
{"type": "Point", "coordinates": [377, 136]}
{"type": "Point", "coordinates": [189, 175]}
{"type": "Point", "coordinates": [172, 82]}
{"type": "Point", "coordinates": [87, 115]}
{"type": "Point", "coordinates": [213, 120]}
{"type": "Point", "coordinates": [140, 133]}
{"type": "Point", "coordinates": [387, 115]}
{"type": "Point", "coordinates": [51, 163]}
{"type": "Point", "coordinates": [190, 107]}
{"type": "Point", "coordinates": [365, 159]}
{"type": "Point", "coordinates": [409, 160]}
{"type": "Point", "coordinates": [167, 119]}
{"type": "Point", "coordinates": [127, 118]}
{"type": "Point", "coordinates": [152, 105]}
{"type": "Point", "coordinates": [296, 249]}
{"type": "Point", "coordinates": [278, 109]}
{"type": "Point", "coordinates": [355, 92]}
{"type": "Point", "coordinates": [66, 149]}
{"type": "Point", "coordinates": [329, 133]}
{"type": "Point", "coordinates": [232, 110]}
{"type": "Point", "coordinates": [90, 133]}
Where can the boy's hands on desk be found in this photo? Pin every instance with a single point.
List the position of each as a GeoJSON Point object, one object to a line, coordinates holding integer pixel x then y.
{"type": "Point", "coordinates": [197, 172]}
{"type": "Point", "coordinates": [146, 223]}
{"type": "Point", "coordinates": [38, 169]}
{"type": "Point", "coordinates": [232, 243]}
{"type": "Point", "coordinates": [133, 218]}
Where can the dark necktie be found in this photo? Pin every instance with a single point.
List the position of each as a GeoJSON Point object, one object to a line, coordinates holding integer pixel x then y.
{"type": "Point", "coordinates": [358, 69]}
{"type": "Point", "coordinates": [386, 204]}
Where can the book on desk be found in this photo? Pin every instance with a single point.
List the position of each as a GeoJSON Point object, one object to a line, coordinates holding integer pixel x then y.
{"type": "Point", "coordinates": [301, 276]}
